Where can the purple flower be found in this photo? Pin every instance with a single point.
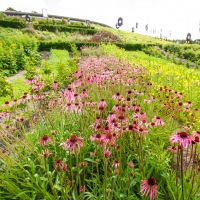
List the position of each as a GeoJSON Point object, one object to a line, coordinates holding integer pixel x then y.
{"type": "Point", "coordinates": [181, 138]}
{"type": "Point", "coordinates": [149, 187]}
{"type": "Point", "coordinates": [45, 140]}
{"type": "Point", "coordinates": [72, 142]}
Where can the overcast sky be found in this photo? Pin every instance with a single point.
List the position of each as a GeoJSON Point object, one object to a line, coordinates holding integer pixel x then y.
{"type": "Point", "coordinates": [178, 16]}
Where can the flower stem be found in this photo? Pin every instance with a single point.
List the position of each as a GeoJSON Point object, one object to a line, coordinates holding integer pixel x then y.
{"type": "Point", "coordinates": [177, 172]}
{"type": "Point", "coordinates": [182, 183]}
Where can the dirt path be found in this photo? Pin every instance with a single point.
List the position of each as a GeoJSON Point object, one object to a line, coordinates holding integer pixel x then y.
{"type": "Point", "coordinates": [18, 75]}
{"type": "Point", "coordinates": [21, 74]}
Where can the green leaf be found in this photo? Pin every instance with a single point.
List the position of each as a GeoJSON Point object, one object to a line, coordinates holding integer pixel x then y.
{"type": "Point", "coordinates": [90, 160]}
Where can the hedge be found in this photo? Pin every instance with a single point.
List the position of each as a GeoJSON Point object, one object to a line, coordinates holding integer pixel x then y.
{"type": "Point", "coordinates": [46, 46]}
{"type": "Point", "coordinates": [53, 28]}
{"type": "Point", "coordinates": [186, 51]}
{"type": "Point", "coordinates": [76, 26]}
{"type": "Point", "coordinates": [20, 23]}
{"type": "Point", "coordinates": [12, 24]}
{"type": "Point", "coordinates": [71, 25]}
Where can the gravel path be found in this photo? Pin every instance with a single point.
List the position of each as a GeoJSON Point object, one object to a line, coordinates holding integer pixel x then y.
{"type": "Point", "coordinates": [18, 75]}
{"type": "Point", "coordinates": [21, 74]}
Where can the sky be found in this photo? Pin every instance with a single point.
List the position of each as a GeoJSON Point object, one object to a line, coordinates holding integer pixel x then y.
{"type": "Point", "coordinates": [176, 16]}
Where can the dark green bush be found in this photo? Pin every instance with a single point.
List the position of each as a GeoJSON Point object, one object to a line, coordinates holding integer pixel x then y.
{"type": "Point", "coordinates": [46, 46]}
{"type": "Point", "coordinates": [186, 51]}
{"type": "Point", "coordinates": [53, 28]}
{"type": "Point", "coordinates": [12, 23]}
{"type": "Point", "coordinates": [174, 48]}
{"type": "Point", "coordinates": [131, 47]}
{"type": "Point", "coordinates": [57, 22]}
{"type": "Point", "coordinates": [190, 55]}
{"type": "Point", "coordinates": [5, 87]}
{"type": "Point", "coordinates": [15, 51]}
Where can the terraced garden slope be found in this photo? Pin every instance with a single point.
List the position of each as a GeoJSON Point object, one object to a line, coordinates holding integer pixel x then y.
{"type": "Point", "coordinates": [98, 122]}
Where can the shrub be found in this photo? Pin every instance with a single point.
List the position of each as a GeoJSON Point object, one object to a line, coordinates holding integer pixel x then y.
{"type": "Point", "coordinates": [57, 68]}
{"type": "Point", "coordinates": [53, 28]}
{"type": "Point", "coordinates": [104, 36]}
{"type": "Point", "coordinates": [190, 55]}
{"type": "Point", "coordinates": [5, 87]}
{"type": "Point", "coordinates": [46, 46]}
{"type": "Point", "coordinates": [75, 52]}
{"type": "Point", "coordinates": [14, 52]}
{"type": "Point", "coordinates": [12, 23]}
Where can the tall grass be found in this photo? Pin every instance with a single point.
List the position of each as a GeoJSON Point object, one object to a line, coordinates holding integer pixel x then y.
{"type": "Point", "coordinates": [104, 136]}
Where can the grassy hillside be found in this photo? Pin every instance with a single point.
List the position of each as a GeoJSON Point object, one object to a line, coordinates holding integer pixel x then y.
{"type": "Point", "coordinates": [99, 122]}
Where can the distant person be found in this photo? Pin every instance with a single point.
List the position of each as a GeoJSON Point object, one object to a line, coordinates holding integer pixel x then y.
{"type": "Point", "coordinates": [88, 23]}
{"type": "Point", "coordinates": [68, 20]}
{"type": "Point", "coordinates": [27, 17]}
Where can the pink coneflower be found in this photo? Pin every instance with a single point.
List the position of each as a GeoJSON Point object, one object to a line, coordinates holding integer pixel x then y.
{"type": "Point", "coordinates": [98, 120]}
{"type": "Point", "coordinates": [106, 129]}
{"type": "Point", "coordinates": [82, 189]}
{"type": "Point", "coordinates": [149, 187]}
{"type": "Point", "coordinates": [182, 138]}
{"type": "Point", "coordinates": [80, 164]}
{"type": "Point", "coordinates": [85, 163]}
{"type": "Point", "coordinates": [186, 128]}
{"type": "Point", "coordinates": [30, 81]}
{"type": "Point", "coordinates": [3, 151]}
{"type": "Point", "coordinates": [130, 164]}
{"type": "Point", "coordinates": [60, 165]}
{"type": "Point", "coordinates": [72, 142]}
{"type": "Point", "coordinates": [131, 174]}
{"type": "Point", "coordinates": [111, 118]}
{"type": "Point", "coordinates": [45, 140]}
{"type": "Point", "coordinates": [117, 96]}
{"type": "Point", "coordinates": [115, 163]}
{"type": "Point", "coordinates": [109, 138]}
{"type": "Point", "coordinates": [135, 107]}
{"type": "Point", "coordinates": [63, 167]}
{"type": "Point", "coordinates": [107, 153]}
{"type": "Point", "coordinates": [97, 137]}
{"type": "Point", "coordinates": [92, 154]}
{"type": "Point", "coordinates": [116, 108]}
{"type": "Point", "coordinates": [180, 95]}
{"type": "Point", "coordinates": [188, 104]}
{"type": "Point", "coordinates": [37, 76]}
{"type": "Point", "coordinates": [7, 103]}
{"type": "Point", "coordinates": [116, 171]}
{"type": "Point", "coordinates": [158, 121]}
{"type": "Point", "coordinates": [37, 86]}
{"type": "Point", "coordinates": [55, 85]}
{"type": "Point", "coordinates": [140, 116]}
{"type": "Point", "coordinates": [46, 153]}
{"type": "Point", "coordinates": [172, 149]}
{"type": "Point", "coordinates": [97, 127]}
{"type": "Point", "coordinates": [195, 140]}
{"type": "Point", "coordinates": [84, 93]}
{"type": "Point", "coordinates": [53, 132]}
{"type": "Point", "coordinates": [143, 131]}
{"type": "Point", "coordinates": [102, 105]}
{"type": "Point", "coordinates": [196, 133]}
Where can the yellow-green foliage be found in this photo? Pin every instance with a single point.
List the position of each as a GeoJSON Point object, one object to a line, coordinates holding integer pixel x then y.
{"type": "Point", "coordinates": [15, 51]}
{"type": "Point", "coordinates": [163, 73]}
{"type": "Point", "coordinates": [17, 89]}
{"type": "Point", "coordinates": [57, 68]}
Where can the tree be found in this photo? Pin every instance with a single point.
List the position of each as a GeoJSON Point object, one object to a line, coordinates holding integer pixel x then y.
{"type": "Point", "coordinates": [10, 9]}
